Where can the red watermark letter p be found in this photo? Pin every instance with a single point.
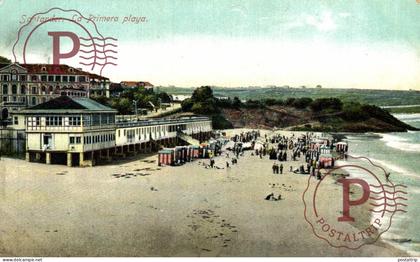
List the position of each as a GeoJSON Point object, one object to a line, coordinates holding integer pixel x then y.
{"type": "Point", "coordinates": [56, 45]}
{"type": "Point", "coordinates": [346, 196]}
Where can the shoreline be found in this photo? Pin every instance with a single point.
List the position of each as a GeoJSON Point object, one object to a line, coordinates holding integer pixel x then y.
{"type": "Point", "coordinates": [191, 210]}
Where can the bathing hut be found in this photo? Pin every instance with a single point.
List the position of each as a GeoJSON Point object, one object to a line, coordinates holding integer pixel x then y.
{"type": "Point", "coordinates": [166, 157]}
{"type": "Point", "coordinates": [316, 144]}
{"type": "Point", "coordinates": [324, 149]}
{"type": "Point", "coordinates": [195, 151]}
{"type": "Point", "coordinates": [326, 161]}
{"type": "Point", "coordinates": [341, 147]}
{"type": "Point", "coordinates": [180, 154]}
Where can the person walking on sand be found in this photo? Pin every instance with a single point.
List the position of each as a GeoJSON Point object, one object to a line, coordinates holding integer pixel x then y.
{"type": "Point", "coordinates": [274, 168]}
{"type": "Point", "coordinates": [281, 168]}
{"type": "Point", "coordinates": [212, 163]}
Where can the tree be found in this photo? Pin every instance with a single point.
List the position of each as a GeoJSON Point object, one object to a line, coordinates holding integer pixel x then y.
{"type": "Point", "coordinates": [123, 105]}
{"type": "Point", "coordinates": [4, 60]}
{"type": "Point", "coordinates": [164, 97]}
{"type": "Point", "coordinates": [236, 102]}
{"type": "Point", "coordinates": [187, 105]}
{"type": "Point", "coordinates": [202, 94]}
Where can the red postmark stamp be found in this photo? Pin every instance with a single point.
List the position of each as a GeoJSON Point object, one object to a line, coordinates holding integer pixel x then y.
{"type": "Point", "coordinates": [81, 43]}
{"type": "Point", "coordinates": [352, 205]}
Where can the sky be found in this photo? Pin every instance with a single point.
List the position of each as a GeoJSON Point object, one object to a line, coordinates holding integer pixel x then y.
{"type": "Point", "coordinates": [232, 43]}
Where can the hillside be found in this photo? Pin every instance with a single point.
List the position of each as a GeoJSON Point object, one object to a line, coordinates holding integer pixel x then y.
{"type": "Point", "coordinates": [290, 118]}
{"type": "Point", "coordinates": [366, 96]}
{"type": "Point", "coordinates": [327, 114]}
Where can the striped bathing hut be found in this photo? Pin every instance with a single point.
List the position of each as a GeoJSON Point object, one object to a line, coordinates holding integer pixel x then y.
{"type": "Point", "coordinates": [341, 147]}
{"type": "Point", "coordinates": [166, 157]}
{"type": "Point", "coordinates": [326, 160]}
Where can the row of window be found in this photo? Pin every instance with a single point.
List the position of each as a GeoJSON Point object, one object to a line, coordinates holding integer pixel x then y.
{"type": "Point", "coordinates": [75, 140]}
{"type": "Point", "coordinates": [33, 100]}
{"type": "Point", "coordinates": [88, 120]}
{"type": "Point", "coordinates": [14, 99]}
{"type": "Point", "coordinates": [54, 121]}
{"type": "Point", "coordinates": [34, 90]}
{"type": "Point", "coordinates": [44, 78]}
{"type": "Point", "coordinates": [143, 131]}
{"type": "Point", "coordinates": [14, 89]}
{"type": "Point", "coordinates": [98, 138]}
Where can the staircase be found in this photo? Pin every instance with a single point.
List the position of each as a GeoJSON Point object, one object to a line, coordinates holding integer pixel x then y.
{"type": "Point", "coordinates": [188, 139]}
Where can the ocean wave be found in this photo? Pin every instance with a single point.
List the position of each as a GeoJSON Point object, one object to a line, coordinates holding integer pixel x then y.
{"type": "Point", "coordinates": [395, 168]}
{"type": "Point", "coordinates": [400, 143]}
{"type": "Point", "coordinates": [407, 116]}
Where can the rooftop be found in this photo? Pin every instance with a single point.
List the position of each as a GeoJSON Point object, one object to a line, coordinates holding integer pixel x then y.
{"type": "Point", "coordinates": [65, 103]}
{"type": "Point", "coordinates": [53, 69]}
{"type": "Point", "coordinates": [136, 84]}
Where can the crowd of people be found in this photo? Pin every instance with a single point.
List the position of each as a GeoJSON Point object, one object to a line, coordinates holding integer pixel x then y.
{"type": "Point", "coordinates": [281, 149]}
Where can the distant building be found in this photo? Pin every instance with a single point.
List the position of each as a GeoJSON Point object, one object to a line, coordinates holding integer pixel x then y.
{"type": "Point", "coordinates": [99, 85]}
{"type": "Point", "coordinates": [136, 84]}
{"type": "Point", "coordinates": [179, 98]}
{"type": "Point", "coordinates": [115, 89]}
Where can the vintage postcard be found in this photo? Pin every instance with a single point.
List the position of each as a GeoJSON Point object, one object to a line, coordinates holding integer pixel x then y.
{"type": "Point", "coordinates": [209, 128]}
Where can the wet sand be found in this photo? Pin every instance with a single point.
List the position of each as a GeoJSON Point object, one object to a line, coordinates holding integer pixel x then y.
{"type": "Point", "coordinates": [135, 208]}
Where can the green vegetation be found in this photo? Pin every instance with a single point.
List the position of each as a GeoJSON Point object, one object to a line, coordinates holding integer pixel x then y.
{"type": "Point", "coordinates": [125, 103]}
{"type": "Point", "coordinates": [203, 102]}
{"type": "Point", "coordinates": [4, 60]}
{"type": "Point", "coordinates": [363, 96]}
{"type": "Point", "coordinates": [329, 114]}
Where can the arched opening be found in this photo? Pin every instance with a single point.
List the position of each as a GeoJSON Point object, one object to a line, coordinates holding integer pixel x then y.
{"type": "Point", "coordinates": [5, 90]}
{"type": "Point", "coordinates": [4, 113]}
{"type": "Point", "coordinates": [14, 89]}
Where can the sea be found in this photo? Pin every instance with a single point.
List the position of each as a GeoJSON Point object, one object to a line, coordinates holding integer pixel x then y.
{"type": "Point", "coordinates": [399, 154]}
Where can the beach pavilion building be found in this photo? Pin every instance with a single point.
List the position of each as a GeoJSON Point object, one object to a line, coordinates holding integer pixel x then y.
{"type": "Point", "coordinates": [71, 130]}
{"type": "Point", "coordinates": [78, 131]}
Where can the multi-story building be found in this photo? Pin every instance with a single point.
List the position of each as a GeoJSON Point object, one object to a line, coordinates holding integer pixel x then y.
{"type": "Point", "coordinates": [80, 131]}
{"type": "Point", "coordinates": [24, 85]}
{"type": "Point", "coordinates": [68, 129]}
{"type": "Point", "coordinates": [99, 85]}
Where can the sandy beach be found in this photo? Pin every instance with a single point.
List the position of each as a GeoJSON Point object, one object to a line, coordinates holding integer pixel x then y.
{"type": "Point", "coordinates": [135, 208]}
